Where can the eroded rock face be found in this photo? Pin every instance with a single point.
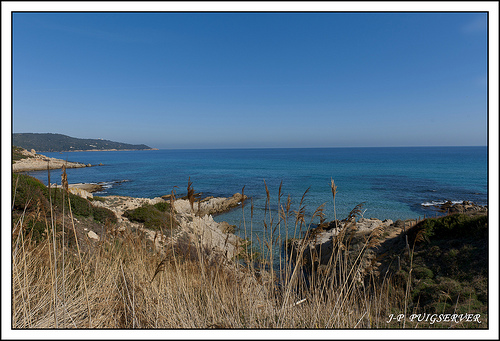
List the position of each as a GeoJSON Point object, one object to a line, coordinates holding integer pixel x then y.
{"type": "Point", "coordinates": [201, 227]}
{"type": "Point", "coordinates": [206, 231]}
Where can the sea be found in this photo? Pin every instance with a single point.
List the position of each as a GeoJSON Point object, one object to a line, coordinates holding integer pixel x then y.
{"type": "Point", "coordinates": [390, 183]}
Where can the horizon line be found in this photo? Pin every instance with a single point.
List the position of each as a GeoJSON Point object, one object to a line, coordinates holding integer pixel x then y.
{"type": "Point", "coordinates": [254, 148]}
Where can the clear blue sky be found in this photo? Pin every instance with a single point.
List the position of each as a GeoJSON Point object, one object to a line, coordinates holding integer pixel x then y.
{"type": "Point", "coordinates": [245, 80]}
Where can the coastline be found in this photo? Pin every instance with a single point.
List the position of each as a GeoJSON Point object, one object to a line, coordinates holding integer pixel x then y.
{"type": "Point", "coordinates": [194, 222]}
{"type": "Point", "coordinates": [370, 247]}
{"type": "Point", "coordinates": [37, 162]}
{"type": "Point", "coordinates": [101, 150]}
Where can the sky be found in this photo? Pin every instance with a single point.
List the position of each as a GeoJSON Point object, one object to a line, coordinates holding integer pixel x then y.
{"type": "Point", "coordinates": [253, 80]}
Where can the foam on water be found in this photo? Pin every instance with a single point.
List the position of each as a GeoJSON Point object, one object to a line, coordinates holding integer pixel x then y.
{"type": "Point", "coordinates": [439, 203]}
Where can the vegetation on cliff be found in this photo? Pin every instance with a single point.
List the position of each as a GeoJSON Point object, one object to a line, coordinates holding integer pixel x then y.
{"type": "Point", "coordinates": [157, 216]}
{"type": "Point", "coordinates": [33, 204]}
{"type": "Point", "coordinates": [447, 271]}
{"type": "Point", "coordinates": [61, 143]}
{"type": "Point", "coordinates": [17, 154]}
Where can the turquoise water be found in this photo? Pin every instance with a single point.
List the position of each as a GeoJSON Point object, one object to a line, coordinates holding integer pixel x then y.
{"type": "Point", "coordinates": [393, 183]}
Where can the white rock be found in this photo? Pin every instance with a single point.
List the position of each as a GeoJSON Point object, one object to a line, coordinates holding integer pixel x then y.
{"type": "Point", "coordinates": [80, 192]}
{"type": "Point", "coordinates": [93, 235]}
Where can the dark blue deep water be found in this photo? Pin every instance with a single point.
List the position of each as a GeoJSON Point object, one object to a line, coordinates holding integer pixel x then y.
{"type": "Point", "coordinates": [393, 183]}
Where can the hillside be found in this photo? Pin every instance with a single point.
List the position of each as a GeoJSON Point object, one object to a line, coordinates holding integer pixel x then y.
{"type": "Point", "coordinates": [61, 143]}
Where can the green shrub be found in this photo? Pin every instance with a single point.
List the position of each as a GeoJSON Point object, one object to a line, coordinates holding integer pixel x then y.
{"type": "Point", "coordinates": [455, 225]}
{"type": "Point", "coordinates": [31, 194]}
{"type": "Point", "coordinates": [162, 206]}
{"type": "Point", "coordinates": [424, 291]}
{"type": "Point", "coordinates": [150, 216]}
{"type": "Point", "coordinates": [450, 286]}
{"type": "Point", "coordinates": [423, 272]}
{"type": "Point", "coordinates": [104, 215]}
{"type": "Point", "coordinates": [95, 198]}
{"type": "Point", "coordinates": [36, 227]}
{"type": "Point", "coordinates": [28, 192]}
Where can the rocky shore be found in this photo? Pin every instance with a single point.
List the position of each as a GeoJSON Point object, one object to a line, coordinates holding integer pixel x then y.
{"type": "Point", "coordinates": [373, 238]}
{"type": "Point", "coordinates": [37, 162]}
{"type": "Point", "coordinates": [195, 223]}
{"type": "Point", "coordinates": [463, 207]}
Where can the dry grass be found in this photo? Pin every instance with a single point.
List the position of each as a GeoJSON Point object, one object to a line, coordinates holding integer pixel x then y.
{"type": "Point", "coordinates": [118, 288]}
{"type": "Point", "coordinates": [121, 283]}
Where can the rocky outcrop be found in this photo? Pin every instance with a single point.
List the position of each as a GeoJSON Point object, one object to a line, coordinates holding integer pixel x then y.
{"type": "Point", "coordinates": [368, 225]}
{"type": "Point", "coordinates": [82, 189]}
{"type": "Point", "coordinates": [463, 207]}
{"type": "Point", "coordinates": [359, 238]}
{"type": "Point", "coordinates": [200, 226]}
{"type": "Point", "coordinates": [196, 223]}
{"type": "Point", "coordinates": [80, 192]}
{"type": "Point", "coordinates": [37, 162]}
{"type": "Point", "coordinates": [209, 205]}
{"type": "Point", "coordinates": [205, 231]}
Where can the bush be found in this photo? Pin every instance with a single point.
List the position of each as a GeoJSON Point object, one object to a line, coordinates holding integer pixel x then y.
{"type": "Point", "coordinates": [103, 215]}
{"type": "Point", "coordinates": [150, 216]}
{"type": "Point", "coordinates": [162, 206]}
{"type": "Point", "coordinates": [95, 198]}
{"type": "Point", "coordinates": [455, 225]}
{"type": "Point", "coordinates": [27, 192]}
{"type": "Point", "coordinates": [423, 272]}
{"type": "Point", "coordinates": [31, 194]}
{"type": "Point", "coordinates": [17, 155]}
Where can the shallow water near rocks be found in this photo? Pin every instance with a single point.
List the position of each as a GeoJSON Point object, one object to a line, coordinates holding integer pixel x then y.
{"type": "Point", "coordinates": [393, 183]}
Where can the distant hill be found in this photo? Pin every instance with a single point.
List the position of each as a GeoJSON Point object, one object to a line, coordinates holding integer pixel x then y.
{"type": "Point", "coordinates": [49, 142]}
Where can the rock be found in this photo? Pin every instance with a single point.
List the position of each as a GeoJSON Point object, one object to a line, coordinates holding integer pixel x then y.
{"type": "Point", "coordinates": [364, 224]}
{"type": "Point", "coordinates": [467, 207]}
{"type": "Point", "coordinates": [446, 205]}
{"type": "Point", "coordinates": [399, 223]}
{"type": "Point", "coordinates": [209, 205]}
{"type": "Point", "coordinates": [207, 231]}
{"type": "Point", "coordinates": [80, 192]}
{"type": "Point", "coordinates": [36, 162]}
{"type": "Point", "coordinates": [321, 242]}
{"type": "Point", "coordinates": [197, 223]}
{"type": "Point", "coordinates": [33, 151]}
{"type": "Point", "coordinates": [93, 235]}
{"type": "Point", "coordinates": [226, 228]}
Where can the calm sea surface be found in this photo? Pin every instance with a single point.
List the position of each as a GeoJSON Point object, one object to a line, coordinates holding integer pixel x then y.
{"type": "Point", "coordinates": [393, 183]}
